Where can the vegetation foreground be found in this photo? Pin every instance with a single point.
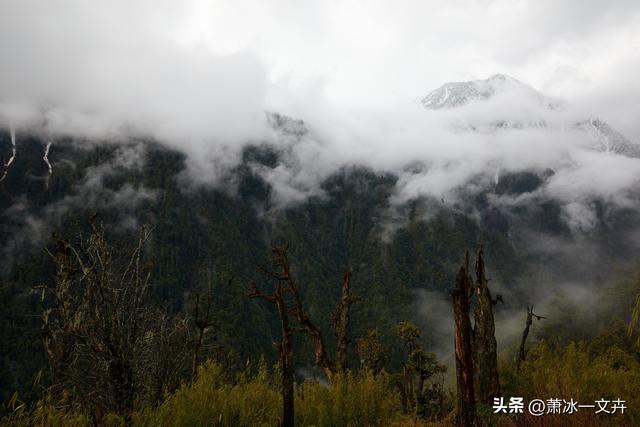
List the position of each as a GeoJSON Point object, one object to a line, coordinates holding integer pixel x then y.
{"type": "Point", "coordinates": [365, 399]}
{"type": "Point", "coordinates": [116, 360]}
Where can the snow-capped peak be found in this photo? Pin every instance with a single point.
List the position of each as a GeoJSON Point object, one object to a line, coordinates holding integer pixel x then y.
{"type": "Point", "coordinates": [502, 103]}
{"type": "Point", "coordinates": [606, 139]}
{"type": "Point", "coordinates": [455, 94]}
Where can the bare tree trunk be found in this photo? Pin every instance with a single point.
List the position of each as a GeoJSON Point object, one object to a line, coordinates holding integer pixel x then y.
{"type": "Point", "coordinates": [285, 348]}
{"type": "Point", "coordinates": [487, 384]}
{"type": "Point", "coordinates": [196, 350]}
{"type": "Point", "coordinates": [286, 363]}
{"type": "Point", "coordinates": [202, 323]}
{"type": "Point", "coordinates": [298, 312]}
{"type": "Point", "coordinates": [320, 352]}
{"type": "Point", "coordinates": [525, 334]}
{"type": "Point", "coordinates": [341, 323]}
{"type": "Point", "coordinates": [463, 352]}
{"type": "Point", "coordinates": [56, 343]}
{"type": "Point", "coordinates": [121, 373]}
{"type": "Point", "coordinates": [93, 332]}
{"type": "Point", "coordinates": [285, 283]}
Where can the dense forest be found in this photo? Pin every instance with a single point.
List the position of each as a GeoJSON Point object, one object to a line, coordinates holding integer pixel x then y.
{"type": "Point", "coordinates": [130, 296]}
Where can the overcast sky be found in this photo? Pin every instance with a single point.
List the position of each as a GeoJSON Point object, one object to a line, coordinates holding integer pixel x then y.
{"type": "Point", "coordinates": [199, 75]}
{"type": "Point", "coordinates": [202, 55]}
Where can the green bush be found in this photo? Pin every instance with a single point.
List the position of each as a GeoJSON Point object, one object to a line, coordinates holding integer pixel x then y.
{"type": "Point", "coordinates": [351, 400]}
{"type": "Point", "coordinates": [575, 372]}
{"type": "Point", "coordinates": [213, 400]}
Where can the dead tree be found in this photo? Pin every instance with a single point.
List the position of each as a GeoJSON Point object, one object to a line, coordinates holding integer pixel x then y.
{"type": "Point", "coordinates": [283, 280]}
{"type": "Point", "coordinates": [485, 348]}
{"type": "Point", "coordinates": [463, 350]}
{"type": "Point", "coordinates": [57, 327]}
{"type": "Point", "coordinates": [341, 323]}
{"type": "Point", "coordinates": [341, 326]}
{"type": "Point", "coordinates": [161, 355]}
{"type": "Point", "coordinates": [94, 322]}
{"type": "Point", "coordinates": [286, 296]}
{"type": "Point", "coordinates": [98, 330]}
{"type": "Point", "coordinates": [202, 324]}
{"type": "Point", "coordinates": [525, 334]}
{"type": "Point", "coordinates": [300, 315]}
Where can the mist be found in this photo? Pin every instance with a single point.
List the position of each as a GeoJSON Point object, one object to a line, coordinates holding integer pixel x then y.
{"type": "Point", "coordinates": [381, 139]}
{"type": "Point", "coordinates": [128, 70]}
{"type": "Point", "coordinates": [184, 77]}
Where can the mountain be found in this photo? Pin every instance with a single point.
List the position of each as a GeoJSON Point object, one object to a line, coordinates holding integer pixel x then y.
{"type": "Point", "coordinates": [456, 94]}
{"type": "Point", "coordinates": [606, 139]}
{"type": "Point", "coordinates": [522, 108]}
{"type": "Point", "coordinates": [213, 237]}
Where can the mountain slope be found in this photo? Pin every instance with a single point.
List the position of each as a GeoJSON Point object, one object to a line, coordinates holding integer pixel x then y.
{"type": "Point", "coordinates": [456, 94]}
{"type": "Point", "coordinates": [494, 100]}
{"type": "Point", "coordinates": [211, 237]}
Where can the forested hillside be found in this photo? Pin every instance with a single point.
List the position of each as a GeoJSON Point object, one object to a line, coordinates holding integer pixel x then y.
{"type": "Point", "coordinates": [210, 242]}
{"type": "Point", "coordinates": [214, 239]}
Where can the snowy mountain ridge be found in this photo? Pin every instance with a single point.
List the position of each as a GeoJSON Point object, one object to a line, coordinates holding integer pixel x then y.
{"type": "Point", "coordinates": [501, 102]}
{"type": "Point", "coordinates": [455, 94]}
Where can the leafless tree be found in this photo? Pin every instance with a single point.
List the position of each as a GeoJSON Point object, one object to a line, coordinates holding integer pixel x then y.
{"type": "Point", "coordinates": [294, 318]}
{"type": "Point", "coordinates": [202, 324]}
{"type": "Point", "coordinates": [162, 354]}
{"type": "Point", "coordinates": [99, 331]}
{"type": "Point", "coordinates": [525, 334]}
{"type": "Point", "coordinates": [485, 348]}
{"type": "Point", "coordinates": [476, 356]}
{"type": "Point", "coordinates": [283, 280]}
{"type": "Point", "coordinates": [463, 351]}
{"type": "Point", "coordinates": [341, 323]}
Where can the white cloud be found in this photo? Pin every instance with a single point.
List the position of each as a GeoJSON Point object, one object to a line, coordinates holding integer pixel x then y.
{"type": "Point", "coordinates": [199, 75]}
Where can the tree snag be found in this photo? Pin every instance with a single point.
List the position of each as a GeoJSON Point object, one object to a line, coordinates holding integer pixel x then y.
{"type": "Point", "coordinates": [285, 347]}
{"type": "Point", "coordinates": [314, 332]}
{"type": "Point", "coordinates": [463, 351]}
{"type": "Point", "coordinates": [487, 385]}
{"type": "Point", "coordinates": [100, 334]}
{"type": "Point", "coordinates": [202, 324]}
{"type": "Point", "coordinates": [341, 323]}
{"type": "Point", "coordinates": [286, 297]}
{"type": "Point", "coordinates": [525, 334]}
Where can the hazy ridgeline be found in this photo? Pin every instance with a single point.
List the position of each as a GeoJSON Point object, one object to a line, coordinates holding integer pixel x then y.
{"type": "Point", "coordinates": [209, 241]}
{"type": "Point", "coordinates": [155, 158]}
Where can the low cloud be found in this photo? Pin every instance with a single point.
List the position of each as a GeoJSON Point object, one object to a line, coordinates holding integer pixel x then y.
{"type": "Point", "coordinates": [30, 227]}
{"type": "Point", "coordinates": [165, 72]}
